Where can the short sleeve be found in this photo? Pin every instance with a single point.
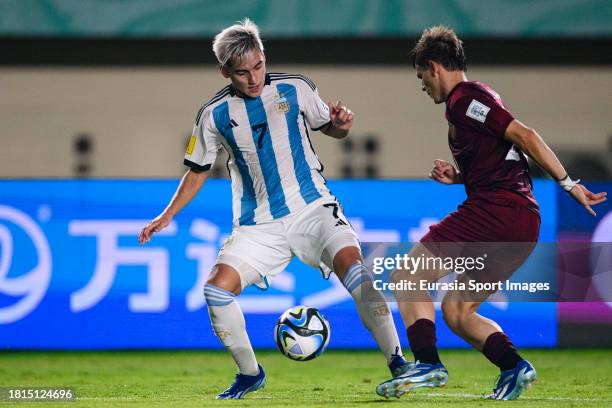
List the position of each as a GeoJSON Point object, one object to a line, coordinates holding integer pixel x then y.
{"type": "Point", "coordinates": [315, 110]}
{"type": "Point", "coordinates": [482, 111]}
{"type": "Point", "coordinates": [204, 144]}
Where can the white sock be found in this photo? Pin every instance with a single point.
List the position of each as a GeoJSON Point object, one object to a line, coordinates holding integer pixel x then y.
{"type": "Point", "coordinates": [373, 309]}
{"type": "Point", "coordinates": [228, 324]}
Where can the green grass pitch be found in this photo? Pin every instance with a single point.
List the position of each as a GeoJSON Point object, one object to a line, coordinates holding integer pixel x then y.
{"type": "Point", "coordinates": [581, 378]}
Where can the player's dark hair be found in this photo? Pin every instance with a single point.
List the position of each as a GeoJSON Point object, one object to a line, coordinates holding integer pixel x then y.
{"type": "Point", "coordinates": [439, 44]}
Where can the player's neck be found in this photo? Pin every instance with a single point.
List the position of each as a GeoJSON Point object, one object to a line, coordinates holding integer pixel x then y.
{"type": "Point", "coordinates": [453, 79]}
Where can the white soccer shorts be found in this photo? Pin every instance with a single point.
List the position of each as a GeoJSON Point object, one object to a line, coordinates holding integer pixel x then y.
{"type": "Point", "coordinates": [314, 234]}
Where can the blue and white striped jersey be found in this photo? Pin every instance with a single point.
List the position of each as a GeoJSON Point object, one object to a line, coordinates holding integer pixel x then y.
{"type": "Point", "coordinates": [272, 164]}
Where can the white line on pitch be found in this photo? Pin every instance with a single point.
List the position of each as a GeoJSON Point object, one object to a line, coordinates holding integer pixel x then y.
{"type": "Point", "coordinates": [465, 395]}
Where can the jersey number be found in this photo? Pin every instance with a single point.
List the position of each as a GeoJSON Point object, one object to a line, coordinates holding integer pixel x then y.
{"type": "Point", "coordinates": [261, 128]}
{"type": "Point", "coordinates": [334, 208]}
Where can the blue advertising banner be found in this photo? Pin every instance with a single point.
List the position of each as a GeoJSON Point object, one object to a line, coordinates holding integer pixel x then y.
{"type": "Point", "coordinates": [72, 275]}
{"type": "Point", "coordinates": [580, 227]}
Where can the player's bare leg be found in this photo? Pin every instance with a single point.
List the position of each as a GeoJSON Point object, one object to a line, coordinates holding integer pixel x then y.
{"type": "Point", "coordinates": [344, 259]}
{"type": "Point", "coordinates": [417, 308]}
{"type": "Point", "coordinates": [371, 305]}
{"type": "Point", "coordinates": [227, 321]}
{"type": "Point", "coordinates": [485, 335]}
{"type": "Point", "coordinates": [225, 277]}
{"type": "Point", "coordinates": [459, 312]}
{"type": "Point", "coordinates": [418, 314]}
{"type": "Point", "coordinates": [417, 304]}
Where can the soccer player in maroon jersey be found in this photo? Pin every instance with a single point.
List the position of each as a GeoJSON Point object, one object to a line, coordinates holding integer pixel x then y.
{"type": "Point", "coordinates": [487, 144]}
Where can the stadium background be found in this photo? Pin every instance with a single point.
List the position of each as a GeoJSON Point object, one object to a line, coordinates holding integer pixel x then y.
{"type": "Point", "coordinates": [98, 99]}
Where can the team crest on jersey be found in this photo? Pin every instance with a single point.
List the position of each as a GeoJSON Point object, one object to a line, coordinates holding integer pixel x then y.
{"type": "Point", "coordinates": [281, 104]}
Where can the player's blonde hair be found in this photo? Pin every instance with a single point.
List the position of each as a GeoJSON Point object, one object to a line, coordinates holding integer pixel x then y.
{"type": "Point", "coordinates": [236, 41]}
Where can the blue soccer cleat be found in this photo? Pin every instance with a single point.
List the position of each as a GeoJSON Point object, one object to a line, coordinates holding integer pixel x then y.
{"type": "Point", "coordinates": [419, 375]}
{"type": "Point", "coordinates": [243, 384]}
{"type": "Point", "coordinates": [511, 383]}
{"type": "Point", "coordinates": [399, 365]}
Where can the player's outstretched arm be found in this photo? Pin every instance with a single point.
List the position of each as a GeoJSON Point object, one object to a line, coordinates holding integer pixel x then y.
{"type": "Point", "coordinates": [534, 146]}
{"type": "Point", "coordinates": [189, 187]}
{"type": "Point", "coordinates": [341, 120]}
{"type": "Point", "coordinates": [445, 173]}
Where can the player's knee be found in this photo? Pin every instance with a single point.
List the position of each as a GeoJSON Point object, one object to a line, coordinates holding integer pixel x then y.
{"type": "Point", "coordinates": [451, 314]}
{"type": "Point", "coordinates": [226, 278]}
{"type": "Point", "coordinates": [397, 276]}
{"type": "Point", "coordinates": [404, 275]}
{"type": "Point", "coordinates": [344, 259]}
{"type": "Point", "coordinates": [455, 312]}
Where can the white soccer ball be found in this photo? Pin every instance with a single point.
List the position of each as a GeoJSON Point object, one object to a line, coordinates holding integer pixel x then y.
{"type": "Point", "coordinates": [302, 333]}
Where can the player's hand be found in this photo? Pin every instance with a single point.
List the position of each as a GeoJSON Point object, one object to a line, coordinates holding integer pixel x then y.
{"type": "Point", "coordinates": [341, 116]}
{"type": "Point", "coordinates": [444, 172]}
{"type": "Point", "coordinates": [158, 224]}
{"type": "Point", "coordinates": [581, 194]}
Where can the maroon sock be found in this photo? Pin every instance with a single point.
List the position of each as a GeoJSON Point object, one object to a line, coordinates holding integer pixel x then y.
{"type": "Point", "coordinates": [500, 351]}
{"type": "Point", "coordinates": [422, 338]}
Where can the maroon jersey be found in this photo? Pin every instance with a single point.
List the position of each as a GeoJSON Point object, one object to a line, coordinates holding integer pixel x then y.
{"type": "Point", "coordinates": [477, 120]}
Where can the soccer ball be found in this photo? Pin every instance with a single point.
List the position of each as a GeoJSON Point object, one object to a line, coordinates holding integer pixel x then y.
{"type": "Point", "coordinates": [302, 333]}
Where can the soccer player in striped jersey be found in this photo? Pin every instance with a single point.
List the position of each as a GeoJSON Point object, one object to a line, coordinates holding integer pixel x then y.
{"type": "Point", "coordinates": [281, 204]}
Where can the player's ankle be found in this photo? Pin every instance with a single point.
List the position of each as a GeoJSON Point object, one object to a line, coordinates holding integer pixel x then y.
{"type": "Point", "coordinates": [422, 338]}
{"type": "Point", "coordinates": [509, 361]}
{"type": "Point", "coordinates": [427, 355]}
{"type": "Point", "coordinates": [500, 351]}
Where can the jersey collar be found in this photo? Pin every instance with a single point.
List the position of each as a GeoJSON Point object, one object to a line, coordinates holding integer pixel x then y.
{"type": "Point", "coordinates": [460, 84]}
{"type": "Point", "coordinates": [233, 91]}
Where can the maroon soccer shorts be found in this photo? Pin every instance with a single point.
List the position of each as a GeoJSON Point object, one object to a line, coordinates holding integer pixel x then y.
{"type": "Point", "coordinates": [502, 228]}
{"type": "Point", "coordinates": [494, 217]}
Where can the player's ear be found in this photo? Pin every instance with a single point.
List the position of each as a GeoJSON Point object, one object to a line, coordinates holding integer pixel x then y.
{"type": "Point", "coordinates": [433, 68]}
{"type": "Point", "coordinates": [224, 71]}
